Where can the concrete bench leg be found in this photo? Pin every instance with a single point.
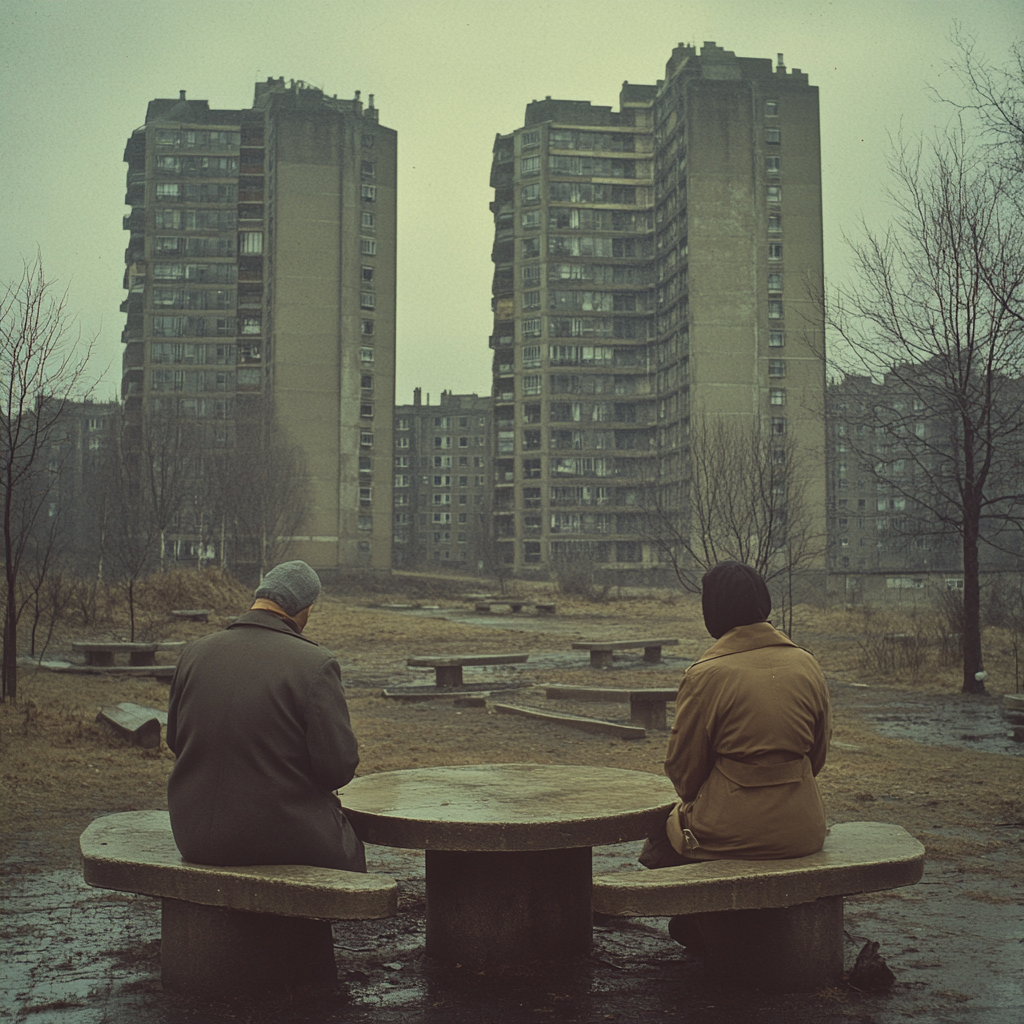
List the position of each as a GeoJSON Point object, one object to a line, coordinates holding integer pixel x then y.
{"type": "Point", "coordinates": [508, 908]}
{"type": "Point", "coordinates": [214, 952]}
{"type": "Point", "coordinates": [142, 658]}
{"type": "Point", "coordinates": [102, 659]}
{"type": "Point", "coordinates": [652, 655]}
{"type": "Point", "coordinates": [788, 949]}
{"type": "Point", "coordinates": [649, 714]}
{"type": "Point", "coordinates": [601, 659]}
{"type": "Point", "coordinates": [448, 677]}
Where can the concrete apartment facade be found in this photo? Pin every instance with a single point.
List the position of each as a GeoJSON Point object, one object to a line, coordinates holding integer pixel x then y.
{"type": "Point", "coordinates": [654, 266]}
{"type": "Point", "coordinates": [443, 482]}
{"type": "Point", "coordinates": [261, 265]}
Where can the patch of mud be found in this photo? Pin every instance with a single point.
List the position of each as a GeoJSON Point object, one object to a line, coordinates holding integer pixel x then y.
{"type": "Point", "coordinates": [954, 720]}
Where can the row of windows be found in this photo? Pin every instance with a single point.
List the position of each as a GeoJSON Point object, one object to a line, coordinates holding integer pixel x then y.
{"type": "Point", "coordinates": [581, 192]}
{"type": "Point", "coordinates": [242, 379]}
{"type": "Point", "coordinates": [196, 139]}
{"type": "Point", "coordinates": [195, 192]}
{"type": "Point", "coordinates": [587, 219]}
{"type": "Point", "coordinates": [194, 298]}
{"type": "Point", "coordinates": [195, 220]}
{"type": "Point", "coordinates": [198, 166]}
{"type": "Point", "coordinates": [203, 273]}
{"type": "Point", "coordinates": [580, 327]}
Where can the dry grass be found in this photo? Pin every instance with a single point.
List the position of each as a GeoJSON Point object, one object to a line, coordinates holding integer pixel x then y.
{"type": "Point", "coordinates": [58, 769]}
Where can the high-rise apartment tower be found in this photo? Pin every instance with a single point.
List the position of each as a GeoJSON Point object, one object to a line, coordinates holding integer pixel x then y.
{"type": "Point", "coordinates": [654, 266]}
{"type": "Point", "coordinates": [261, 265]}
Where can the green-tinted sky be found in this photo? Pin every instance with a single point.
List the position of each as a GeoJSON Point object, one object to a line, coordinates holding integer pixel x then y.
{"type": "Point", "coordinates": [448, 75]}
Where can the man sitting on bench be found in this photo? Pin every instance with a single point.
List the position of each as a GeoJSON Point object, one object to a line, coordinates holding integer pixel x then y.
{"type": "Point", "coordinates": [751, 732]}
{"type": "Point", "coordinates": [259, 724]}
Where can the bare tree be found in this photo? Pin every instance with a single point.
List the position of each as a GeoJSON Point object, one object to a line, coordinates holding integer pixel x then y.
{"type": "Point", "coordinates": [266, 493]}
{"type": "Point", "coordinates": [934, 314]}
{"type": "Point", "coordinates": [42, 370]}
{"type": "Point", "coordinates": [745, 499]}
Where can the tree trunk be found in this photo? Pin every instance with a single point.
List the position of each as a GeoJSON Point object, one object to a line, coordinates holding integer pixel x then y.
{"type": "Point", "coordinates": [10, 653]}
{"type": "Point", "coordinates": [972, 607]}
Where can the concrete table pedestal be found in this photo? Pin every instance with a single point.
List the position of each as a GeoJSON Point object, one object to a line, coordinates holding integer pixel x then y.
{"type": "Point", "coordinates": [508, 907]}
{"type": "Point", "coordinates": [508, 848]}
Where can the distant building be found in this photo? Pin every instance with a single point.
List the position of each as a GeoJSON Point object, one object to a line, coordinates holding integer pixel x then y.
{"type": "Point", "coordinates": [443, 482]}
{"type": "Point", "coordinates": [653, 265]}
{"type": "Point", "coordinates": [891, 450]}
{"type": "Point", "coordinates": [260, 272]}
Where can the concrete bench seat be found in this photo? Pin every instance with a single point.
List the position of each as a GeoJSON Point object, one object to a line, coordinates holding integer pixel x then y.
{"type": "Point", "coordinates": [448, 668]}
{"type": "Point", "coordinates": [230, 930]}
{"type": "Point", "coordinates": [98, 652]}
{"type": "Point", "coordinates": [774, 924]}
{"type": "Point", "coordinates": [602, 651]}
{"type": "Point", "coordinates": [646, 707]}
{"type": "Point", "coordinates": [193, 614]}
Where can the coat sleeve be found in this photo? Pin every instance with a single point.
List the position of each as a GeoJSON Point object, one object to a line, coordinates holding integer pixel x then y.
{"type": "Point", "coordinates": [690, 757]}
{"type": "Point", "coordinates": [822, 730]}
{"type": "Point", "coordinates": [333, 750]}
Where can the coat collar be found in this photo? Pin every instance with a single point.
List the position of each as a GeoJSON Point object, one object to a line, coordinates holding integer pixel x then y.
{"type": "Point", "coordinates": [746, 638]}
{"type": "Point", "coordinates": [268, 620]}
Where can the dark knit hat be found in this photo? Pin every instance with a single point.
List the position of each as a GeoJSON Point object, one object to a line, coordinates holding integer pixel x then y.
{"type": "Point", "coordinates": [733, 594]}
{"type": "Point", "coordinates": [292, 585]}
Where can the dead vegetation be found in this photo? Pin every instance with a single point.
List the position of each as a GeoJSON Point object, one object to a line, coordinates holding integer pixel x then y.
{"type": "Point", "coordinates": [59, 769]}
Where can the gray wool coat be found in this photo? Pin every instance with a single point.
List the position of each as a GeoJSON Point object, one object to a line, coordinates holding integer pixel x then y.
{"type": "Point", "coordinates": [261, 730]}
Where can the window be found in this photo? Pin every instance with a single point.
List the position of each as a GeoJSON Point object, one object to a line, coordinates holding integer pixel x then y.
{"type": "Point", "coordinates": [531, 384]}
{"type": "Point", "coordinates": [365, 464]}
{"type": "Point", "coordinates": [778, 425]}
{"type": "Point", "coordinates": [530, 194]}
{"type": "Point", "coordinates": [365, 439]}
{"type": "Point", "coordinates": [774, 223]}
{"type": "Point", "coordinates": [531, 248]}
{"type": "Point", "coordinates": [367, 168]}
{"type": "Point", "coordinates": [369, 141]}
{"type": "Point", "coordinates": [531, 300]}
{"type": "Point", "coordinates": [368, 246]}
{"type": "Point", "coordinates": [250, 243]}
{"type": "Point", "coordinates": [771, 108]}
{"type": "Point", "coordinates": [531, 139]}
{"type": "Point", "coordinates": [366, 382]}
{"type": "Point", "coordinates": [368, 219]}
{"type": "Point", "coordinates": [774, 193]}
{"type": "Point", "coordinates": [531, 357]}
{"type": "Point", "coordinates": [774, 309]}
{"type": "Point", "coordinates": [368, 193]}
{"type": "Point", "coordinates": [367, 300]}
{"type": "Point", "coordinates": [531, 328]}
{"type": "Point", "coordinates": [364, 496]}
{"type": "Point", "coordinates": [776, 339]}
{"type": "Point", "coordinates": [367, 274]}
{"type": "Point", "coordinates": [531, 220]}
{"type": "Point", "coordinates": [773, 164]}
{"type": "Point", "coordinates": [777, 396]}
{"type": "Point", "coordinates": [365, 326]}
{"type": "Point", "coordinates": [775, 251]}
{"type": "Point", "coordinates": [774, 284]}
{"type": "Point", "coordinates": [773, 136]}
{"type": "Point", "coordinates": [366, 354]}
{"type": "Point", "coordinates": [529, 165]}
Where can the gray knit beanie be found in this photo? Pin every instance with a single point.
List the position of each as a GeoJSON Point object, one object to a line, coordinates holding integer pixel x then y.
{"type": "Point", "coordinates": [292, 585]}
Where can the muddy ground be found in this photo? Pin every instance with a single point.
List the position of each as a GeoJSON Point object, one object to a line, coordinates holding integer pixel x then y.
{"type": "Point", "coordinates": [908, 748]}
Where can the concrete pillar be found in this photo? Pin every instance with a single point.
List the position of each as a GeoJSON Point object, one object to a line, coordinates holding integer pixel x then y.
{"type": "Point", "coordinates": [214, 951]}
{"type": "Point", "coordinates": [508, 907]}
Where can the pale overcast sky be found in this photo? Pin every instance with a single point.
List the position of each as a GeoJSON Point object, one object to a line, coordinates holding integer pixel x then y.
{"type": "Point", "coordinates": [448, 75]}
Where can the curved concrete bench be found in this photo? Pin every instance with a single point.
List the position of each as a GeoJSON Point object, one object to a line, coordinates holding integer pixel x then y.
{"type": "Point", "coordinates": [227, 930]}
{"type": "Point", "coordinates": [773, 924]}
{"type": "Point", "coordinates": [602, 651]}
{"type": "Point", "coordinates": [448, 668]}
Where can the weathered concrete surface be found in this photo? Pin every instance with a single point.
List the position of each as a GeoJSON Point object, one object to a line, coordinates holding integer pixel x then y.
{"type": "Point", "coordinates": [214, 952]}
{"type": "Point", "coordinates": [614, 694]}
{"type": "Point", "coordinates": [135, 852]}
{"type": "Point", "coordinates": [508, 908]}
{"type": "Point", "coordinates": [592, 725]}
{"type": "Point", "coordinates": [859, 856]}
{"type": "Point", "coordinates": [134, 722]}
{"type": "Point", "coordinates": [506, 807]}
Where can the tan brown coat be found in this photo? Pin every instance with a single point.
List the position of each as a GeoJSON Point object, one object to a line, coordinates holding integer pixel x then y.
{"type": "Point", "coordinates": [751, 732]}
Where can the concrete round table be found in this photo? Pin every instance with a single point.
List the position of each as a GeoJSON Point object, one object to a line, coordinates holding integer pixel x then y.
{"type": "Point", "coordinates": [508, 848]}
